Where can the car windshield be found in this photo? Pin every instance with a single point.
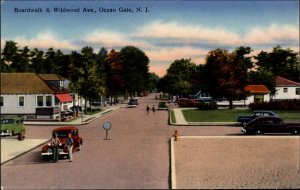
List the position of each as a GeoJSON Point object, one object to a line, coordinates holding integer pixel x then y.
{"type": "Point", "coordinates": [62, 133]}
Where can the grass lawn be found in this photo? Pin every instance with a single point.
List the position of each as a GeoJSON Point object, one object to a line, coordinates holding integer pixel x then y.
{"type": "Point", "coordinates": [228, 115]}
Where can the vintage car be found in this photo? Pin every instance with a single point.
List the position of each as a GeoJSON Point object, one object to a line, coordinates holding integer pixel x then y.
{"type": "Point", "coordinates": [133, 103]}
{"type": "Point", "coordinates": [186, 102]}
{"type": "Point", "coordinates": [270, 124]}
{"type": "Point", "coordinates": [62, 134]}
{"type": "Point", "coordinates": [11, 126]}
{"type": "Point", "coordinates": [244, 119]}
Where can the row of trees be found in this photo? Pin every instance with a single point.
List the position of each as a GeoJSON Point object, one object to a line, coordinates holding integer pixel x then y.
{"type": "Point", "coordinates": [225, 74]}
{"type": "Point", "coordinates": [91, 74]}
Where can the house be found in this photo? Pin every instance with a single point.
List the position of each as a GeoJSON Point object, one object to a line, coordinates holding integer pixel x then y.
{"type": "Point", "coordinates": [34, 96]}
{"type": "Point", "coordinates": [201, 95]}
{"type": "Point", "coordinates": [257, 93]}
{"type": "Point", "coordinates": [286, 89]}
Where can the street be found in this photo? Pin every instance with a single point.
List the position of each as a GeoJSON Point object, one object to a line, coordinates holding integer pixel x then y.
{"type": "Point", "coordinates": [136, 156]}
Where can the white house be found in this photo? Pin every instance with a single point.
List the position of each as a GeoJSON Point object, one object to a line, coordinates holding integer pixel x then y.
{"type": "Point", "coordinates": [286, 89]}
{"type": "Point", "coordinates": [34, 96]}
{"type": "Point", "coordinates": [257, 93]}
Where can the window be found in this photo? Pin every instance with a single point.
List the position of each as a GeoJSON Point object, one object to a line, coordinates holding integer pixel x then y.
{"type": "Point", "coordinates": [297, 91]}
{"type": "Point", "coordinates": [48, 100]}
{"type": "Point", "coordinates": [258, 98]}
{"type": "Point", "coordinates": [39, 101]}
{"type": "Point", "coordinates": [285, 90]}
{"type": "Point", "coordinates": [1, 101]}
{"type": "Point", "coordinates": [21, 102]}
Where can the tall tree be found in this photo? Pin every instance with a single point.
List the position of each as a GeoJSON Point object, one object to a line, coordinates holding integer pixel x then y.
{"type": "Point", "coordinates": [282, 62]}
{"type": "Point", "coordinates": [37, 61]}
{"type": "Point", "coordinates": [179, 77]}
{"type": "Point", "coordinates": [262, 76]}
{"type": "Point", "coordinates": [228, 74]}
{"type": "Point", "coordinates": [9, 54]}
{"type": "Point", "coordinates": [135, 71]}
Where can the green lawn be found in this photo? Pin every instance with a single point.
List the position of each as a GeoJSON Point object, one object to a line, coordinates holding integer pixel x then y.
{"type": "Point", "coordinates": [228, 115]}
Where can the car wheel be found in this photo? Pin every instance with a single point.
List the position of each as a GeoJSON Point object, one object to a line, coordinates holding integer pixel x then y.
{"type": "Point", "coordinates": [259, 132]}
{"type": "Point", "coordinates": [295, 132]}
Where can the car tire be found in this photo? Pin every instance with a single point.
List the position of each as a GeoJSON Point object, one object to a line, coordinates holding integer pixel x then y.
{"type": "Point", "coordinates": [259, 132]}
{"type": "Point", "coordinates": [295, 132]}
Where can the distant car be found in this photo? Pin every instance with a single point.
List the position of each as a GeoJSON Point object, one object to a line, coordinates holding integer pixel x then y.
{"type": "Point", "coordinates": [270, 124]}
{"type": "Point", "coordinates": [62, 134]}
{"type": "Point", "coordinates": [162, 106]}
{"type": "Point", "coordinates": [11, 126]}
{"type": "Point", "coordinates": [244, 119]}
{"type": "Point", "coordinates": [186, 102]}
{"type": "Point", "coordinates": [133, 103]}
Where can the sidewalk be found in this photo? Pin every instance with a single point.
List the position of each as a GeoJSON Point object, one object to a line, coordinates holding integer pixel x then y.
{"type": "Point", "coordinates": [180, 120]}
{"type": "Point", "coordinates": [78, 121]}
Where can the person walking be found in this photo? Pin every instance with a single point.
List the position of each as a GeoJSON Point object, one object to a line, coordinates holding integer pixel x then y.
{"type": "Point", "coordinates": [148, 109]}
{"type": "Point", "coordinates": [55, 142]}
{"type": "Point", "coordinates": [153, 110]}
{"type": "Point", "coordinates": [69, 144]}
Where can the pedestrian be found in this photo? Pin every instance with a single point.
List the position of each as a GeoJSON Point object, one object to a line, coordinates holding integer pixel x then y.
{"type": "Point", "coordinates": [69, 144]}
{"type": "Point", "coordinates": [148, 109]}
{"type": "Point", "coordinates": [55, 143]}
{"type": "Point", "coordinates": [153, 109]}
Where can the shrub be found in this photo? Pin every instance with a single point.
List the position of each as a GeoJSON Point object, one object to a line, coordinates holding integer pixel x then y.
{"type": "Point", "coordinates": [208, 105]}
{"type": "Point", "coordinates": [277, 105]}
{"type": "Point", "coordinates": [162, 105]}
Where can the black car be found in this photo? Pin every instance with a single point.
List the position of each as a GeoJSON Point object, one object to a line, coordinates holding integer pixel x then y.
{"type": "Point", "coordinates": [244, 119]}
{"type": "Point", "coordinates": [270, 124]}
{"type": "Point", "coordinates": [133, 103]}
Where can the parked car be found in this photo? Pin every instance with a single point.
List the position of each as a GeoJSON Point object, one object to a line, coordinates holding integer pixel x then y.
{"type": "Point", "coordinates": [133, 103]}
{"type": "Point", "coordinates": [270, 124]}
{"type": "Point", "coordinates": [62, 134]}
{"type": "Point", "coordinates": [186, 102]}
{"type": "Point", "coordinates": [162, 106]}
{"type": "Point", "coordinates": [244, 119]}
{"type": "Point", "coordinates": [11, 126]}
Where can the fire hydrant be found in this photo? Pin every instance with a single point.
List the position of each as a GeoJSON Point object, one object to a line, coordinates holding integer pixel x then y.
{"type": "Point", "coordinates": [176, 135]}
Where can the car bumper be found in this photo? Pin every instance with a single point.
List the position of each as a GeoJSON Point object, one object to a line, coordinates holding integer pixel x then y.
{"type": "Point", "coordinates": [5, 134]}
{"type": "Point", "coordinates": [61, 152]}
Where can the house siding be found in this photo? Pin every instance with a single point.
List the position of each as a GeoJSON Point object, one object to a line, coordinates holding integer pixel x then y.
{"type": "Point", "coordinates": [10, 104]}
{"type": "Point", "coordinates": [290, 94]}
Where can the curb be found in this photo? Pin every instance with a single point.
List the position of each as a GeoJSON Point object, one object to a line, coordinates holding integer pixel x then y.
{"type": "Point", "coordinates": [87, 121]}
{"type": "Point", "coordinates": [24, 152]}
{"type": "Point", "coordinates": [173, 168]}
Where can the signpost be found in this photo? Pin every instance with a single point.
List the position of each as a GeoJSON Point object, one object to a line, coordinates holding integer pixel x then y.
{"type": "Point", "coordinates": [107, 126]}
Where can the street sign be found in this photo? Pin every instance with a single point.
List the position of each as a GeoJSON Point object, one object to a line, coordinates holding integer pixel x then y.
{"type": "Point", "coordinates": [107, 126]}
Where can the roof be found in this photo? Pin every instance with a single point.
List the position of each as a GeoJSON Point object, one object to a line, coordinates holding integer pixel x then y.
{"type": "Point", "coordinates": [257, 89]}
{"type": "Point", "coordinates": [50, 77]}
{"type": "Point", "coordinates": [280, 81]}
{"type": "Point", "coordinates": [23, 83]}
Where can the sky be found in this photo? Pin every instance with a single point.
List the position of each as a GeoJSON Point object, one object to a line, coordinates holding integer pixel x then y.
{"type": "Point", "coordinates": [164, 30]}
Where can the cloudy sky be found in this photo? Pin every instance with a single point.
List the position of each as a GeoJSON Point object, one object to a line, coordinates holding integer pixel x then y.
{"type": "Point", "coordinates": [170, 30]}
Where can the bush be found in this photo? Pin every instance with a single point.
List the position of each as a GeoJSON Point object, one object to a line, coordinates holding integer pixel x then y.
{"type": "Point", "coordinates": [208, 105]}
{"type": "Point", "coordinates": [276, 105]}
{"type": "Point", "coordinates": [162, 105]}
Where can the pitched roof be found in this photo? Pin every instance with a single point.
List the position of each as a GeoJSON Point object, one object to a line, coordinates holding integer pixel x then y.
{"type": "Point", "coordinates": [23, 83]}
{"type": "Point", "coordinates": [280, 81]}
{"type": "Point", "coordinates": [50, 77]}
{"type": "Point", "coordinates": [257, 89]}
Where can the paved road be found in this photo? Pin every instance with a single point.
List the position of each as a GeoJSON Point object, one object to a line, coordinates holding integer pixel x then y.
{"type": "Point", "coordinates": [135, 157]}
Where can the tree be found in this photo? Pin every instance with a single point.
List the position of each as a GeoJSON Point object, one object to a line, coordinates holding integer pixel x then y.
{"type": "Point", "coordinates": [113, 68]}
{"type": "Point", "coordinates": [37, 61]}
{"type": "Point", "coordinates": [262, 76]}
{"type": "Point", "coordinates": [9, 54]}
{"type": "Point", "coordinates": [280, 62]}
{"type": "Point", "coordinates": [135, 71]}
{"type": "Point", "coordinates": [85, 80]}
{"type": "Point", "coordinates": [178, 79]}
{"type": "Point", "coordinates": [153, 81]}
{"type": "Point", "coordinates": [228, 74]}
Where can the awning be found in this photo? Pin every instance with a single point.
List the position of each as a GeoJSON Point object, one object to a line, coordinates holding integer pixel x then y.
{"type": "Point", "coordinates": [64, 97]}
